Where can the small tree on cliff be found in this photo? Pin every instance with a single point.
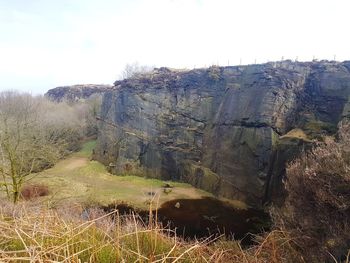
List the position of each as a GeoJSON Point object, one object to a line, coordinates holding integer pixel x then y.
{"type": "Point", "coordinates": [317, 208]}
{"type": "Point", "coordinates": [134, 70]}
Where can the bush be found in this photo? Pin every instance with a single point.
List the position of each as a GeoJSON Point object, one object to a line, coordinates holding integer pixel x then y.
{"type": "Point", "coordinates": [135, 70]}
{"type": "Point", "coordinates": [32, 191]}
{"type": "Point", "coordinates": [317, 208]}
{"type": "Point", "coordinates": [214, 73]}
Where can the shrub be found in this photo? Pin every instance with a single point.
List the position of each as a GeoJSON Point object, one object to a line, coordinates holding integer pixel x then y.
{"type": "Point", "coordinates": [214, 73]}
{"type": "Point", "coordinates": [317, 208]}
{"type": "Point", "coordinates": [135, 70]}
{"type": "Point", "coordinates": [32, 191]}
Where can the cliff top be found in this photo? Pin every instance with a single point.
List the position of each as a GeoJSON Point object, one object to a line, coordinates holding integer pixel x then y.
{"type": "Point", "coordinates": [76, 92]}
{"type": "Point", "coordinates": [214, 70]}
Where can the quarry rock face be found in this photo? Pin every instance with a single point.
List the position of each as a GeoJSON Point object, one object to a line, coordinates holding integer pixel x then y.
{"type": "Point", "coordinates": [76, 92]}
{"type": "Point", "coordinates": [227, 130]}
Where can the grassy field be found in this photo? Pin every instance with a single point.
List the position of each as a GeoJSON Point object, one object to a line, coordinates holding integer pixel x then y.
{"type": "Point", "coordinates": [77, 178]}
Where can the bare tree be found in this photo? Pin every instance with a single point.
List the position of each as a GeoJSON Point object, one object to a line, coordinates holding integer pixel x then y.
{"type": "Point", "coordinates": [135, 70]}
{"type": "Point", "coordinates": [34, 133]}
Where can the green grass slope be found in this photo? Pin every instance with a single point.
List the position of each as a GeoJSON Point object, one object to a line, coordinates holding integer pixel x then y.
{"type": "Point", "coordinates": [79, 179]}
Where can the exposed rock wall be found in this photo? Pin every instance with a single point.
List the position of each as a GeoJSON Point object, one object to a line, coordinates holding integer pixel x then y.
{"type": "Point", "coordinates": [228, 130]}
{"type": "Point", "coordinates": [76, 92]}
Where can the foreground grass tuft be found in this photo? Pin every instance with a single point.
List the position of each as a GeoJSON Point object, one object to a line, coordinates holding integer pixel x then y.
{"type": "Point", "coordinates": [32, 233]}
{"type": "Point", "coordinates": [75, 235]}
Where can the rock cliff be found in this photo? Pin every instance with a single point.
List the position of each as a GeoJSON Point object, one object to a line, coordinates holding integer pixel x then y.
{"type": "Point", "coordinates": [76, 92]}
{"type": "Point", "coordinates": [228, 130]}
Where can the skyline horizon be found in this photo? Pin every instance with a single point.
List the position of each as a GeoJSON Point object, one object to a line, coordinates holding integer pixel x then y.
{"type": "Point", "coordinates": [25, 89]}
{"type": "Point", "coordinates": [43, 91]}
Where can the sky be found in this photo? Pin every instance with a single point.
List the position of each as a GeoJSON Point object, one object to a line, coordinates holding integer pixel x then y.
{"type": "Point", "coordinates": [49, 43]}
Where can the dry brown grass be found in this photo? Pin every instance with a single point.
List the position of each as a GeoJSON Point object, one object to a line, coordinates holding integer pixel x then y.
{"type": "Point", "coordinates": [72, 234]}
{"type": "Point", "coordinates": [30, 232]}
{"type": "Point", "coordinates": [296, 133]}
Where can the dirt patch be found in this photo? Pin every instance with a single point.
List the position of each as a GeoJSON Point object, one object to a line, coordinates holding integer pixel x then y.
{"type": "Point", "coordinates": [191, 193]}
{"type": "Point", "coordinates": [76, 162]}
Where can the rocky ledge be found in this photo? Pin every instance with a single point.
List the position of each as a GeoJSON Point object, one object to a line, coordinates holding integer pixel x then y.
{"type": "Point", "coordinates": [76, 92]}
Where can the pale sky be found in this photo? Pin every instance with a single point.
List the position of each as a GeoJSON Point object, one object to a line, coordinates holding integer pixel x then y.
{"type": "Point", "coordinates": [49, 43]}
